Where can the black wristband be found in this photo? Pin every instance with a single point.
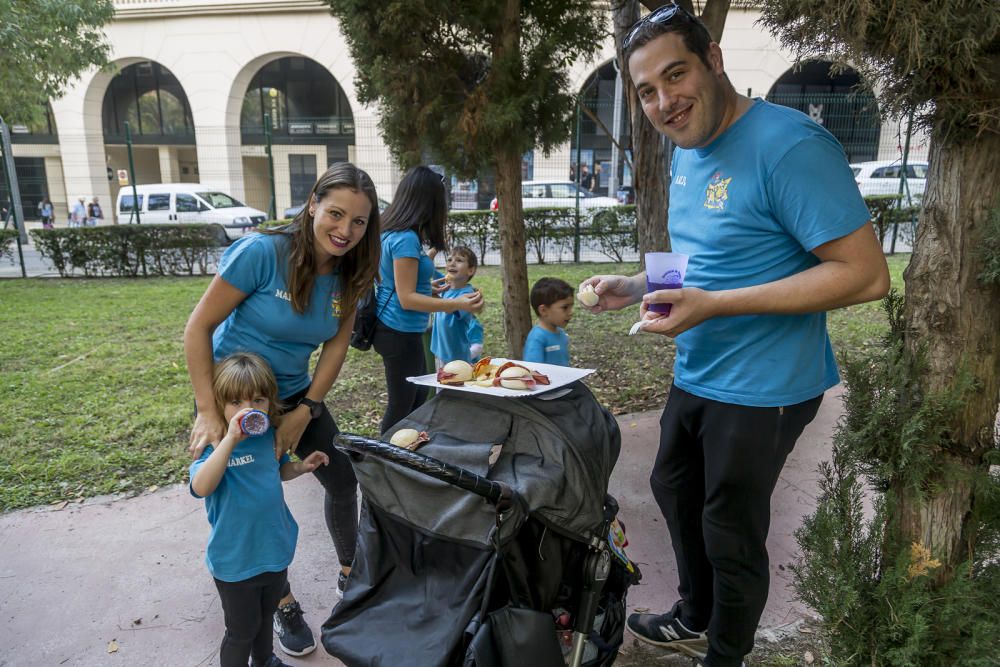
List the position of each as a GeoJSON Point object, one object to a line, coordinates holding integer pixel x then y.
{"type": "Point", "coordinates": [315, 407]}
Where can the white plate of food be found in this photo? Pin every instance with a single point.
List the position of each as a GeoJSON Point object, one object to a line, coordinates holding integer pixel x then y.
{"type": "Point", "coordinates": [502, 377]}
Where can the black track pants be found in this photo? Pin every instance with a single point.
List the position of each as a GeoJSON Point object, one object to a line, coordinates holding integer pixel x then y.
{"type": "Point", "coordinates": [716, 468]}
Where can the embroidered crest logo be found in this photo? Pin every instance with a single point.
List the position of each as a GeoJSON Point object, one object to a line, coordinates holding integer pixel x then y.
{"type": "Point", "coordinates": [335, 306]}
{"type": "Point", "coordinates": [717, 193]}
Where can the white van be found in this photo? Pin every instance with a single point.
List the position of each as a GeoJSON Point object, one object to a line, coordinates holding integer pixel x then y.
{"type": "Point", "coordinates": [172, 203]}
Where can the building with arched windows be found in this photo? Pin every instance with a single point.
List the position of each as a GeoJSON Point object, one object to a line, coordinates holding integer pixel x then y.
{"type": "Point", "coordinates": [194, 80]}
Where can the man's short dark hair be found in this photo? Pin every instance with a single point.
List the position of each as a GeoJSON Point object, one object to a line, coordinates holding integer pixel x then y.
{"type": "Point", "coordinates": [466, 253]}
{"type": "Point", "coordinates": [691, 29]}
{"type": "Point", "coordinates": [547, 291]}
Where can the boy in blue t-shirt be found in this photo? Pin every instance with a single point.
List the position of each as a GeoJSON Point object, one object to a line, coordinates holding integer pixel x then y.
{"type": "Point", "coordinates": [457, 335]}
{"type": "Point", "coordinates": [547, 342]}
{"type": "Point", "coordinates": [253, 534]}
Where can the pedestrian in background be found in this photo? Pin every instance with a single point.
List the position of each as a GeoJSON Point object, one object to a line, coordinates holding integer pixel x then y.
{"type": "Point", "coordinates": [586, 178]}
{"type": "Point", "coordinates": [78, 214]}
{"type": "Point", "coordinates": [95, 215]}
{"type": "Point", "coordinates": [595, 179]}
{"type": "Point", "coordinates": [45, 213]}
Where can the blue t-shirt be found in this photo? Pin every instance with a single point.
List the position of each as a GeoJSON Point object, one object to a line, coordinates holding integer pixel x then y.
{"type": "Point", "coordinates": [265, 322]}
{"type": "Point", "coordinates": [394, 246]}
{"type": "Point", "coordinates": [252, 529]}
{"type": "Point", "coordinates": [748, 209]}
{"type": "Point", "coordinates": [453, 333]}
{"type": "Point", "coordinates": [546, 347]}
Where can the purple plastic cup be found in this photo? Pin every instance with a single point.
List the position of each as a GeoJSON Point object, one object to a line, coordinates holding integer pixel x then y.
{"type": "Point", "coordinates": [664, 270]}
{"type": "Point", "coordinates": [254, 422]}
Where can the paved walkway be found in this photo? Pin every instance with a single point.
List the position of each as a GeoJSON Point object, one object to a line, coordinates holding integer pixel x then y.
{"type": "Point", "coordinates": [123, 582]}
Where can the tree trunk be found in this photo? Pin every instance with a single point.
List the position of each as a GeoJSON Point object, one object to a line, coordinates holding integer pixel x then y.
{"type": "Point", "coordinates": [713, 16]}
{"type": "Point", "coordinates": [937, 517]}
{"type": "Point", "coordinates": [514, 265]}
{"type": "Point", "coordinates": [953, 321]}
{"type": "Point", "coordinates": [516, 306]}
{"type": "Point", "coordinates": [648, 174]}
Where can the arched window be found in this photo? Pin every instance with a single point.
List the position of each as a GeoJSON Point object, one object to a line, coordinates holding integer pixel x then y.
{"type": "Point", "coordinates": [150, 98]}
{"type": "Point", "coordinates": [42, 131]}
{"type": "Point", "coordinates": [597, 131]}
{"type": "Point", "coordinates": [303, 99]}
{"type": "Point", "coordinates": [839, 102]}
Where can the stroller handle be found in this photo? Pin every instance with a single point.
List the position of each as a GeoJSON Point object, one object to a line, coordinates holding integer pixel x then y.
{"type": "Point", "coordinates": [496, 492]}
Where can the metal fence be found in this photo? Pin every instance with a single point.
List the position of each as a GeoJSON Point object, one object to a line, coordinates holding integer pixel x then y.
{"type": "Point", "coordinates": [272, 171]}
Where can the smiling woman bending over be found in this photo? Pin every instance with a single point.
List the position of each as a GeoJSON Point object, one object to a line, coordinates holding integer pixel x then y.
{"type": "Point", "coordinates": [281, 294]}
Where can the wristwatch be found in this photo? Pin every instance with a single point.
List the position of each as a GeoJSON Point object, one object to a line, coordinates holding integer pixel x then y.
{"type": "Point", "coordinates": [315, 407]}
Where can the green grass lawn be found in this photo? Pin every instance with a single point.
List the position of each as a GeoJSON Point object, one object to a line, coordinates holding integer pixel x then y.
{"type": "Point", "coordinates": [95, 396]}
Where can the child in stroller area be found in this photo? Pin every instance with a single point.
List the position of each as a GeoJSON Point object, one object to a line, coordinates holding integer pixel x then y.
{"type": "Point", "coordinates": [253, 533]}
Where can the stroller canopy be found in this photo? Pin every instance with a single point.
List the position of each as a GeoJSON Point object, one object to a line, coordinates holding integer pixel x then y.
{"type": "Point", "coordinates": [556, 454]}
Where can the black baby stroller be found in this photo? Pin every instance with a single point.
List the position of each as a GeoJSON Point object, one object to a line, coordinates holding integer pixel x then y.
{"type": "Point", "coordinates": [476, 560]}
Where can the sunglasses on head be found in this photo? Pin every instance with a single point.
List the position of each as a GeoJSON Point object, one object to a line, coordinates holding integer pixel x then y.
{"type": "Point", "coordinates": [663, 15]}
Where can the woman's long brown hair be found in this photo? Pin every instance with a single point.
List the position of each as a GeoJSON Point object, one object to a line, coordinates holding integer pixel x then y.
{"type": "Point", "coordinates": [357, 268]}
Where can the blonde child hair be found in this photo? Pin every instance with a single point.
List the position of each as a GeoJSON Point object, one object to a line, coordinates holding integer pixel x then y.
{"type": "Point", "coordinates": [244, 375]}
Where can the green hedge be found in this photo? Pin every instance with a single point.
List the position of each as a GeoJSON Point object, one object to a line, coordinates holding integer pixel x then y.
{"type": "Point", "coordinates": [131, 250]}
{"type": "Point", "coordinates": [7, 237]}
{"type": "Point", "coordinates": [887, 210]}
{"type": "Point", "coordinates": [549, 231]}
{"type": "Point", "coordinates": [267, 224]}
{"type": "Point", "coordinates": [475, 229]}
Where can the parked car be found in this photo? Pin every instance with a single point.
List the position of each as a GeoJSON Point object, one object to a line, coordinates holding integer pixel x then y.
{"type": "Point", "coordinates": [171, 203]}
{"type": "Point", "coordinates": [882, 178]}
{"type": "Point", "coordinates": [555, 194]}
{"type": "Point", "coordinates": [293, 211]}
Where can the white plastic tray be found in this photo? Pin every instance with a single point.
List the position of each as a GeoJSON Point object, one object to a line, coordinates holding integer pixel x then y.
{"type": "Point", "coordinates": [559, 376]}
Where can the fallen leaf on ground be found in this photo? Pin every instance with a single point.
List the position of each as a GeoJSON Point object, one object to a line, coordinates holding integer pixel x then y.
{"type": "Point", "coordinates": [61, 505]}
{"type": "Point", "coordinates": [808, 657]}
{"type": "Point", "coordinates": [152, 488]}
{"type": "Point", "coordinates": [112, 646]}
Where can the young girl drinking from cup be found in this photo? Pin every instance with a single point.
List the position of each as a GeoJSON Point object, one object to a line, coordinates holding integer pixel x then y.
{"type": "Point", "coordinates": [253, 533]}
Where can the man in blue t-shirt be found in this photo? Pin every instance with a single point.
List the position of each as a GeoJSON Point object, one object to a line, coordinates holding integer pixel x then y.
{"type": "Point", "coordinates": [765, 206]}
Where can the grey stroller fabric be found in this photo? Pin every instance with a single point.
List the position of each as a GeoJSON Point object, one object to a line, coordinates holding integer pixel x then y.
{"type": "Point", "coordinates": [434, 561]}
{"type": "Point", "coordinates": [556, 454]}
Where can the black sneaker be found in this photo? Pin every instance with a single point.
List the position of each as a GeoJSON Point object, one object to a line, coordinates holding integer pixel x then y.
{"type": "Point", "coordinates": [294, 635]}
{"type": "Point", "coordinates": [341, 583]}
{"type": "Point", "coordinates": [273, 661]}
{"type": "Point", "coordinates": [666, 630]}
